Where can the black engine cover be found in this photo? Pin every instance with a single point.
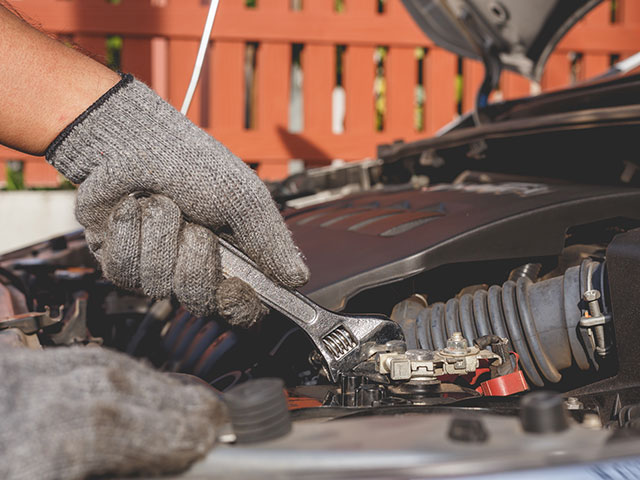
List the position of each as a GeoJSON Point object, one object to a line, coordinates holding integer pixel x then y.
{"type": "Point", "coordinates": [379, 237]}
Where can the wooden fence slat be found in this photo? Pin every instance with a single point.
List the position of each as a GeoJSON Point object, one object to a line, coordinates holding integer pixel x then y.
{"type": "Point", "coordinates": [601, 39]}
{"type": "Point", "coordinates": [185, 19]}
{"type": "Point", "coordinates": [600, 15]}
{"type": "Point", "coordinates": [94, 45]}
{"type": "Point", "coordinates": [395, 9]}
{"type": "Point", "coordinates": [359, 74]}
{"type": "Point", "coordinates": [401, 67]}
{"type": "Point", "coordinates": [227, 86]}
{"type": "Point", "coordinates": [136, 57]}
{"type": "Point", "coordinates": [630, 12]}
{"type": "Point", "coordinates": [182, 55]}
{"type": "Point", "coordinates": [253, 147]}
{"type": "Point", "coordinates": [440, 69]}
{"type": "Point", "coordinates": [556, 73]}
{"type": "Point", "coordinates": [514, 86]}
{"type": "Point", "coordinates": [275, 6]}
{"type": "Point", "coordinates": [178, 21]}
{"type": "Point", "coordinates": [273, 79]}
{"type": "Point", "coordinates": [160, 66]}
{"type": "Point", "coordinates": [273, 170]}
{"type": "Point", "coordinates": [361, 8]}
{"type": "Point", "coordinates": [319, 67]}
{"type": "Point", "coordinates": [40, 174]}
{"type": "Point", "coordinates": [595, 64]}
{"type": "Point", "coordinates": [317, 6]}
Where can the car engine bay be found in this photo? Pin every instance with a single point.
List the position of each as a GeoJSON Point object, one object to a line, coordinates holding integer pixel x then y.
{"type": "Point", "coordinates": [499, 288]}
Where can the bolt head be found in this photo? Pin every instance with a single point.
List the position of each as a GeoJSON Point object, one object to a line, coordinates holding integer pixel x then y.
{"type": "Point", "coordinates": [457, 344]}
{"type": "Point", "coordinates": [591, 295]}
{"type": "Point", "coordinates": [572, 403]}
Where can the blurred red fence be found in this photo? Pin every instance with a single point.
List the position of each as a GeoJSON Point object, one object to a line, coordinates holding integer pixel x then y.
{"type": "Point", "coordinates": [245, 91]}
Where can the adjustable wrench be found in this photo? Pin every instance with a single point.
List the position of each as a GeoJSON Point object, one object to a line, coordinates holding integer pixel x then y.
{"type": "Point", "coordinates": [337, 337]}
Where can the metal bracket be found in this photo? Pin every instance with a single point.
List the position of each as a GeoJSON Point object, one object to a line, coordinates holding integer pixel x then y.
{"type": "Point", "coordinates": [75, 330]}
{"type": "Point", "coordinates": [31, 322]}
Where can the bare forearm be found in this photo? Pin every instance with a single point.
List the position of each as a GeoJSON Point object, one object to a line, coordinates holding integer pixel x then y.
{"type": "Point", "coordinates": [44, 85]}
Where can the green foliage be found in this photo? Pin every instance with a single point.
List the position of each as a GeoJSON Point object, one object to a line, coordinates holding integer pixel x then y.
{"type": "Point", "coordinates": [15, 175]}
{"type": "Point", "coordinates": [380, 87]}
{"type": "Point", "coordinates": [250, 3]}
{"type": "Point", "coordinates": [114, 52]}
{"type": "Point", "coordinates": [65, 185]}
{"type": "Point", "coordinates": [338, 6]}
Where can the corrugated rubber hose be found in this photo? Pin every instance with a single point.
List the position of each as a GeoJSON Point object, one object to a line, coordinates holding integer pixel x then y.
{"type": "Point", "coordinates": [541, 320]}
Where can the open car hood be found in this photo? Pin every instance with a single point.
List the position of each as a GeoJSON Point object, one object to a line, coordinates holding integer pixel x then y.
{"type": "Point", "coordinates": [517, 35]}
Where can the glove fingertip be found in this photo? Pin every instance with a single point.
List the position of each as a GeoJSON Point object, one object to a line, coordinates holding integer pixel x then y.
{"type": "Point", "coordinates": [238, 303]}
{"type": "Point", "coordinates": [287, 268]}
{"type": "Point", "coordinates": [297, 273]}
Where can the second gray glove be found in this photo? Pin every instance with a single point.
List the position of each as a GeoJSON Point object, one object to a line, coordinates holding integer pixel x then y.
{"type": "Point", "coordinates": [69, 413]}
{"type": "Point", "coordinates": [131, 142]}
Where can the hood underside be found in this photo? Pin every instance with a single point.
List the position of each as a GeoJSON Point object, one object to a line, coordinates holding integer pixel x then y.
{"type": "Point", "coordinates": [518, 34]}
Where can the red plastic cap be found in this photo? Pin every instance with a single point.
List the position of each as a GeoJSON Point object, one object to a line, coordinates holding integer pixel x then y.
{"type": "Point", "coordinates": [505, 385]}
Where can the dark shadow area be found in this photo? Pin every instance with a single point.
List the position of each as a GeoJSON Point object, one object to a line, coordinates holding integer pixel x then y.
{"type": "Point", "coordinates": [299, 147]}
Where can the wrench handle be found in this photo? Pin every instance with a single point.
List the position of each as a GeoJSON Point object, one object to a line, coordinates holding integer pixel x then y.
{"type": "Point", "coordinates": [288, 302]}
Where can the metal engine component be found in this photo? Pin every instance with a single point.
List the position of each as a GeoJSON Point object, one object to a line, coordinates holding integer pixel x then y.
{"type": "Point", "coordinates": [457, 358]}
{"type": "Point", "coordinates": [594, 317]}
{"type": "Point", "coordinates": [545, 321]}
{"type": "Point", "coordinates": [75, 330]}
{"type": "Point", "coordinates": [31, 322]}
{"type": "Point", "coordinates": [392, 375]}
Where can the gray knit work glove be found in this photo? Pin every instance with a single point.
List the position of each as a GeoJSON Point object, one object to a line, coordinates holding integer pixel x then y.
{"type": "Point", "coordinates": [130, 142]}
{"type": "Point", "coordinates": [67, 413]}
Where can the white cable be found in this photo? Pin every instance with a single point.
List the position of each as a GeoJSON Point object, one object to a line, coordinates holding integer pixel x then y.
{"type": "Point", "coordinates": [202, 50]}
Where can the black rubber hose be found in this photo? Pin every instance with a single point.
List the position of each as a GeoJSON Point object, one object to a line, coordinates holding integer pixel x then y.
{"type": "Point", "coordinates": [494, 300]}
{"type": "Point", "coordinates": [481, 313]}
{"type": "Point", "coordinates": [527, 322]}
{"type": "Point", "coordinates": [516, 336]}
{"type": "Point", "coordinates": [452, 316]}
{"type": "Point", "coordinates": [466, 318]}
{"type": "Point", "coordinates": [540, 319]}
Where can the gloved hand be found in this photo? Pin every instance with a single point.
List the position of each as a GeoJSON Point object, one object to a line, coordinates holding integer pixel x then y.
{"type": "Point", "coordinates": [131, 142]}
{"type": "Point", "coordinates": [79, 411]}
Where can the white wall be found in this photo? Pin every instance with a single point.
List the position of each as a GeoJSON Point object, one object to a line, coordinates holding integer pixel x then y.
{"type": "Point", "coordinates": [28, 217]}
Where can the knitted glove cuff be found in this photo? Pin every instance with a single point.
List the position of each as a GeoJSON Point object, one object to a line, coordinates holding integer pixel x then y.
{"type": "Point", "coordinates": [63, 152]}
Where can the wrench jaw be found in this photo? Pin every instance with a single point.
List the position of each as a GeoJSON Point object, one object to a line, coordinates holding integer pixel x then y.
{"type": "Point", "coordinates": [341, 346]}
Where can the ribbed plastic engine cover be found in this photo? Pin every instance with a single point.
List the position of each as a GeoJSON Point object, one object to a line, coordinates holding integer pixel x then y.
{"type": "Point", "coordinates": [376, 238]}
